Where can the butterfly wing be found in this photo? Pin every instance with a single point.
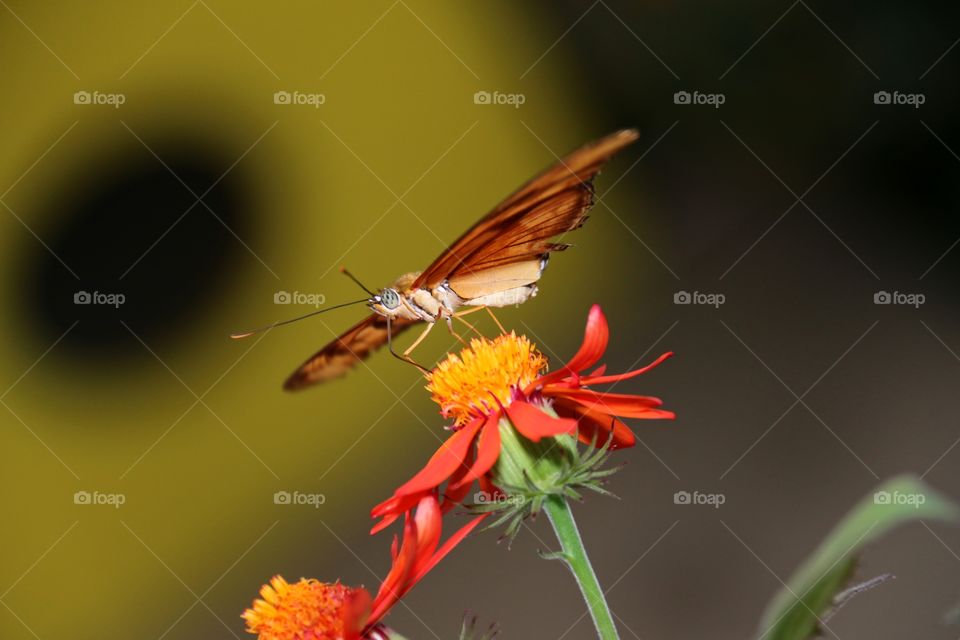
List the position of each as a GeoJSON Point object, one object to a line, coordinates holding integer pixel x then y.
{"type": "Point", "coordinates": [521, 228]}
{"type": "Point", "coordinates": [504, 250]}
{"type": "Point", "coordinates": [341, 355]}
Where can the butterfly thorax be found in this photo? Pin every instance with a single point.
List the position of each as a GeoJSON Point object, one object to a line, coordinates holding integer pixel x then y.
{"type": "Point", "coordinates": [402, 300]}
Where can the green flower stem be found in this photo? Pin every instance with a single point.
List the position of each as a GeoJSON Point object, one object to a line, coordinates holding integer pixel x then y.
{"type": "Point", "coordinates": [540, 466]}
{"type": "Point", "coordinates": [575, 555]}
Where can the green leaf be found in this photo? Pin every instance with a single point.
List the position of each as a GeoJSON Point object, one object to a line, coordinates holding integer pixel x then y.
{"type": "Point", "coordinates": [796, 612]}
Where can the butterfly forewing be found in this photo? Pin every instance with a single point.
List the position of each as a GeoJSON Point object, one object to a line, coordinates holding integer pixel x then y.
{"type": "Point", "coordinates": [521, 227]}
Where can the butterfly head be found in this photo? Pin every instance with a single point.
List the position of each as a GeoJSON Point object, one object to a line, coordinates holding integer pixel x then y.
{"type": "Point", "coordinates": [387, 302]}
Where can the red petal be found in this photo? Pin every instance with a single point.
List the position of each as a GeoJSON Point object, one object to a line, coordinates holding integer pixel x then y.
{"type": "Point", "coordinates": [595, 426]}
{"type": "Point", "coordinates": [383, 524]}
{"type": "Point", "coordinates": [447, 547]}
{"type": "Point", "coordinates": [595, 339]}
{"type": "Point", "coordinates": [487, 486]}
{"type": "Point", "coordinates": [534, 424]}
{"type": "Point", "coordinates": [355, 612]}
{"type": "Point", "coordinates": [452, 498]}
{"type": "Point", "coordinates": [488, 450]}
{"type": "Point", "coordinates": [617, 404]}
{"type": "Point", "coordinates": [395, 545]}
{"type": "Point", "coordinates": [661, 414]}
{"type": "Point", "coordinates": [445, 461]}
{"type": "Point", "coordinates": [429, 525]}
{"type": "Point", "coordinates": [391, 509]}
{"type": "Point", "coordinates": [455, 492]}
{"type": "Point", "coordinates": [417, 556]}
{"type": "Point", "coordinates": [594, 378]}
{"type": "Point", "coordinates": [394, 584]}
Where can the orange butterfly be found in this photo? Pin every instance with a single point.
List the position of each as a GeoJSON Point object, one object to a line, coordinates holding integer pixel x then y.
{"type": "Point", "coordinates": [496, 263]}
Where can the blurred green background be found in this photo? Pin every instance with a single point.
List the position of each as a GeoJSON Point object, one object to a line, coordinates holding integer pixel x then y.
{"type": "Point", "coordinates": [200, 197]}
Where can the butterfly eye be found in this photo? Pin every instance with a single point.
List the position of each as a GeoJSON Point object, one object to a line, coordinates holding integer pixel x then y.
{"type": "Point", "coordinates": [390, 299]}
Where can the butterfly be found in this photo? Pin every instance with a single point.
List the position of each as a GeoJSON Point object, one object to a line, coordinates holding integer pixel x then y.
{"type": "Point", "coordinates": [496, 263]}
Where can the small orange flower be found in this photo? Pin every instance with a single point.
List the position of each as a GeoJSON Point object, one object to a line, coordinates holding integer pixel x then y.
{"type": "Point", "coordinates": [313, 610]}
{"type": "Point", "coordinates": [504, 378]}
{"type": "Point", "coordinates": [484, 376]}
{"type": "Point", "coordinates": [305, 610]}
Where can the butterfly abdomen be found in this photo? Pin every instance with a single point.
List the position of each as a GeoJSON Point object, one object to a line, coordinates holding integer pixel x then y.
{"type": "Point", "coordinates": [507, 298]}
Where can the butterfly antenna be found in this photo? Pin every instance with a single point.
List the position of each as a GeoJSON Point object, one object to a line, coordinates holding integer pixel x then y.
{"type": "Point", "coordinates": [344, 271]}
{"type": "Point", "coordinates": [246, 334]}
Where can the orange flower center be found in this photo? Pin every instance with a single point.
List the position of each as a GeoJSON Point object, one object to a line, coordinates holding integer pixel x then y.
{"type": "Point", "coordinates": [304, 610]}
{"type": "Point", "coordinates": [465, 384]}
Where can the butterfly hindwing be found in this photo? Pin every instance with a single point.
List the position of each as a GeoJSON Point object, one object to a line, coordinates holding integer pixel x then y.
{"type": "Point", "coordinates": [341, 355]}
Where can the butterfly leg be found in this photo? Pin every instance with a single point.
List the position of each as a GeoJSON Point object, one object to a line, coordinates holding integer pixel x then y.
{"type": "Point", "coordinates": [490, 311]}
{"type": "Point", "coordinates": [406, 354]}
{"type": "Point", "coordinates": [459, 316]}
{"type": "Point", "coordinates": [449, 321]}
{"type": "Point", "coordinates": [420, 338]}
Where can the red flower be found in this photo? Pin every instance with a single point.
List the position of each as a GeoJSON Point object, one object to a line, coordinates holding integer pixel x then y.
{"type": "Point", "coordinates": [503, 378]}
{"type": "Point", "coordinates": [312, 610]}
